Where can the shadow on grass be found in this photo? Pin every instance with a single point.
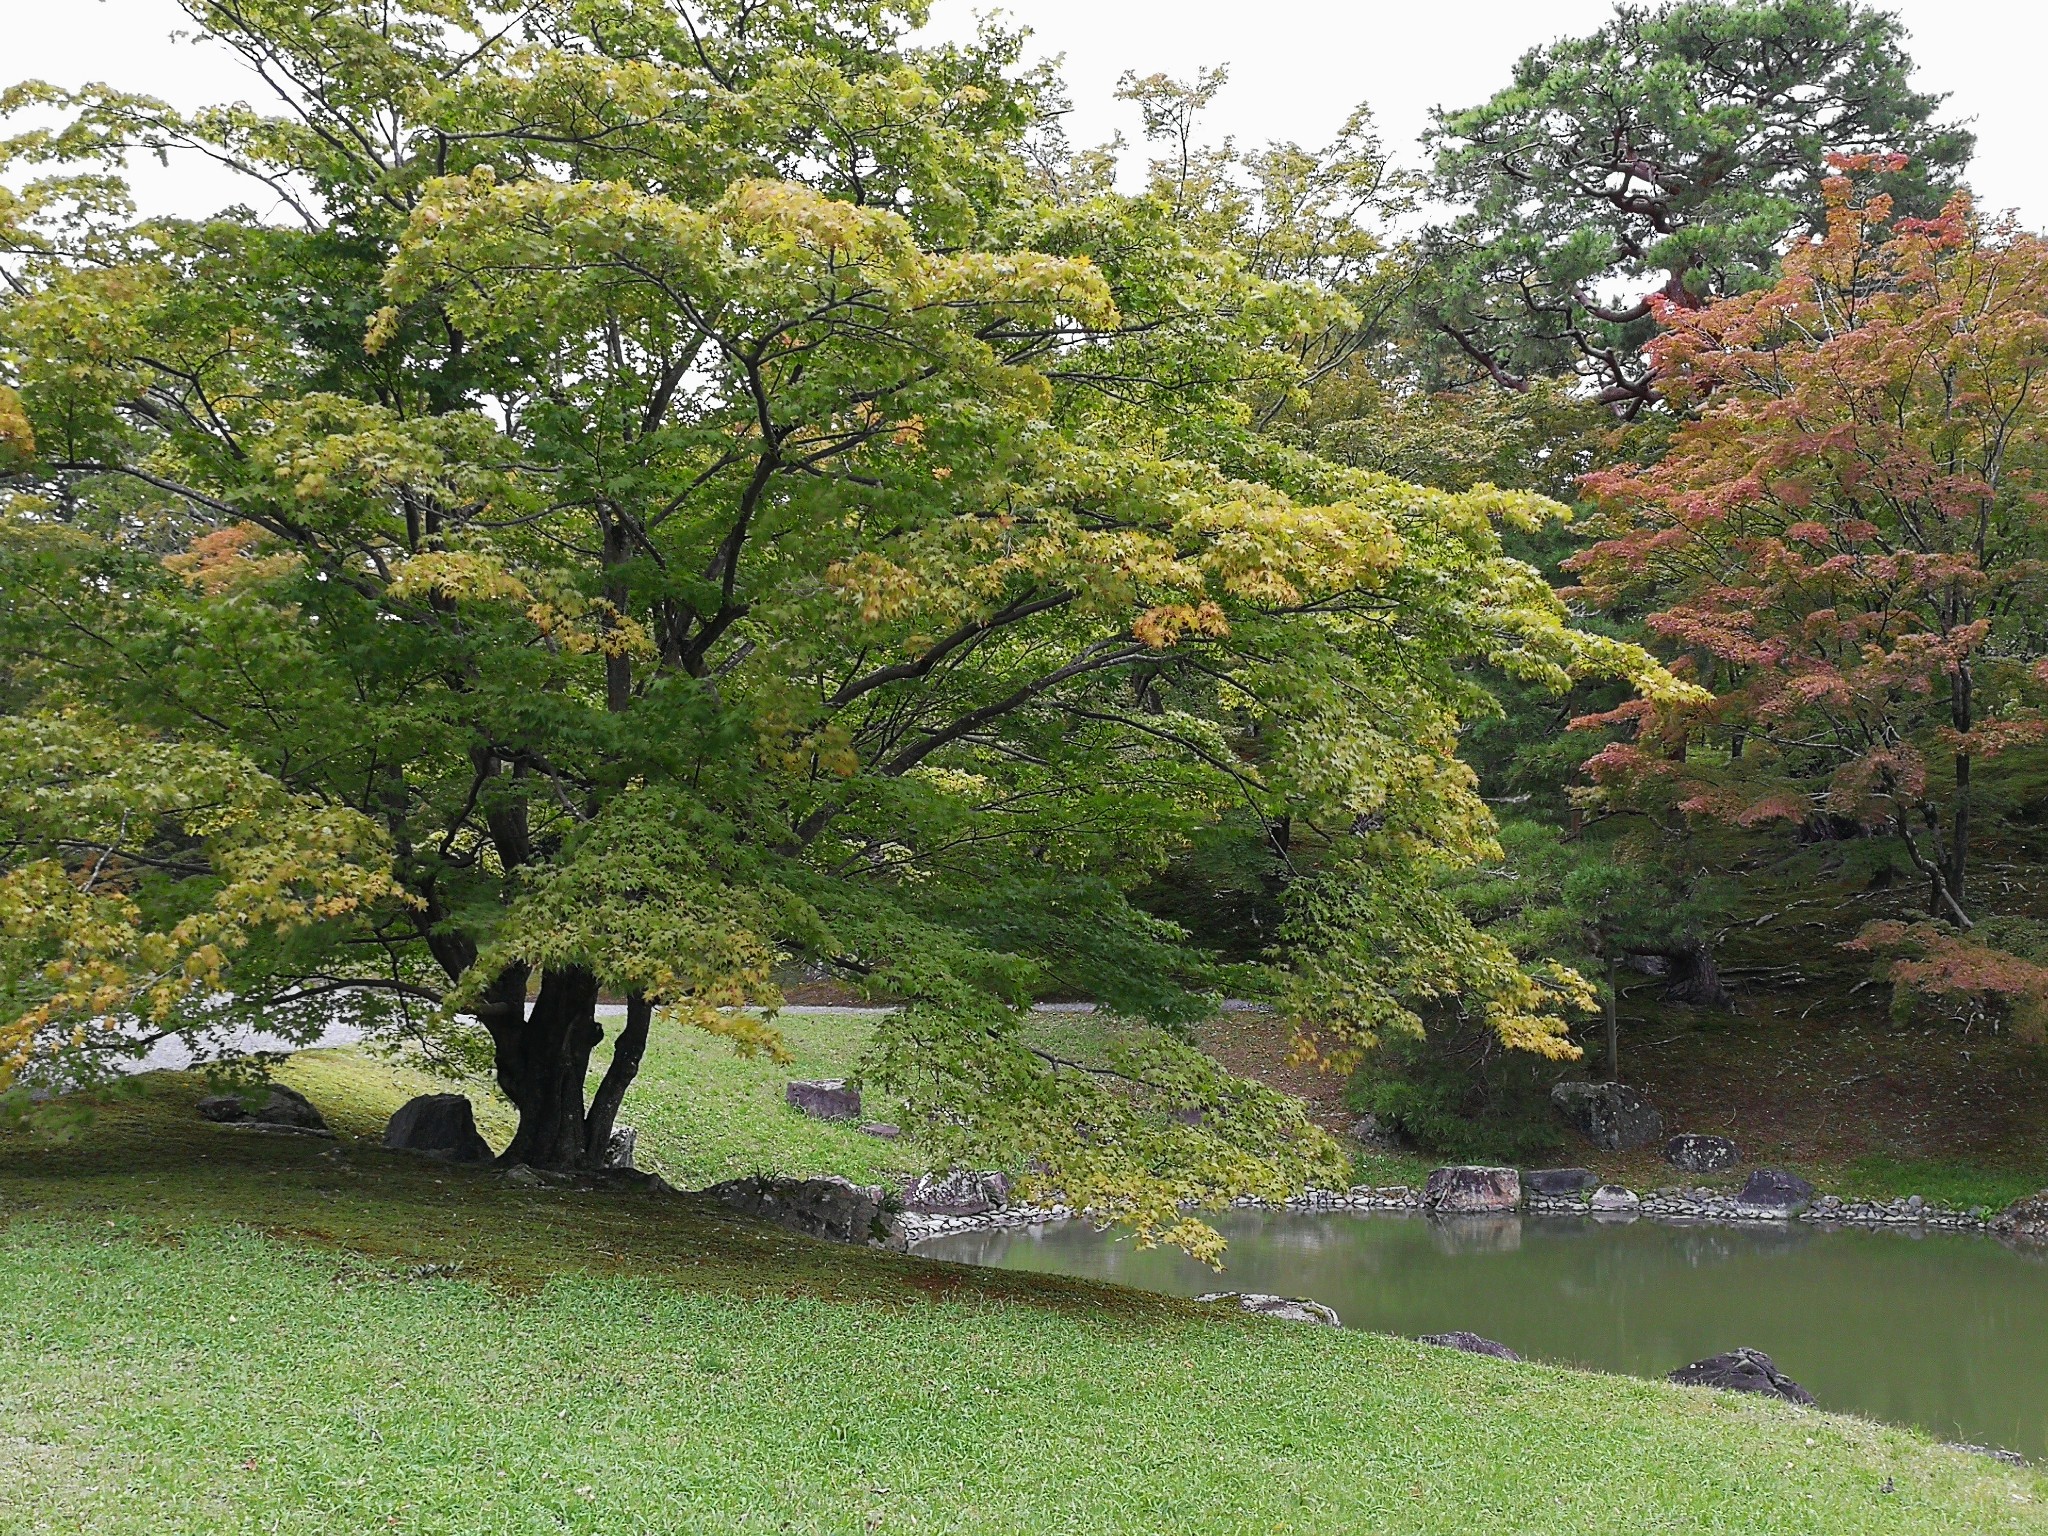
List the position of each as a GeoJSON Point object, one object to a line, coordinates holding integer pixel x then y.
{"type": "Point", "coordinates": [145, 1158]}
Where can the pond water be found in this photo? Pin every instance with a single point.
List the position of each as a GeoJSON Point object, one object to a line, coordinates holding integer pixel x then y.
{"type": "Point", "coordinates": [1948, 1332]}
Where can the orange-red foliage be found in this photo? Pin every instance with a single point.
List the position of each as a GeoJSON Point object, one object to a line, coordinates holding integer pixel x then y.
{"type": "Point", "coordinates": [1849, 538]}
{"type": "Point", "coordinates": [1929, 960]}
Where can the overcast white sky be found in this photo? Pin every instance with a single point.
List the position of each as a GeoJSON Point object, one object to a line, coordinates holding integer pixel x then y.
{"type": "Point", "coordinates": [1297, 66]}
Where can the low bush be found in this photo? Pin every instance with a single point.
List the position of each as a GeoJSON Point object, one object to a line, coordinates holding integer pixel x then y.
{"type": "Point", "coordinates": [1456, 1096]}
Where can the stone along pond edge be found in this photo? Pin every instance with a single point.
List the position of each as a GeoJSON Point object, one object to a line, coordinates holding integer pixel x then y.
{"type": "Point", "coordinates": [1473, 1190]}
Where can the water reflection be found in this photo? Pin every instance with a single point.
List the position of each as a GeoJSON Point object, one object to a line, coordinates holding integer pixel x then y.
{"type": "Point", "coordinates": [1476, 1234]}
{"type": "Point", "coordinates": [1942, 1330]}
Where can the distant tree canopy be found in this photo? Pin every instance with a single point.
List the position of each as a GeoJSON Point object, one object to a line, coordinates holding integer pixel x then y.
{"type": "Point", "coordinates": [1672, 154]}
{"type": "Point", "coordinates": [671, 488]}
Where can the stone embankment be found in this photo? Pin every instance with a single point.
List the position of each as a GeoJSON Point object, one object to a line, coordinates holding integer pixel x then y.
{"type": "Point", "coordinates": [943, 1204]}
{"type": "Point", "coordinates": [1605, 1201]}
{"type": "Point", "coordinates": [1672, 1204]}
{"type": "Point", "coordinates": [919, 1226]}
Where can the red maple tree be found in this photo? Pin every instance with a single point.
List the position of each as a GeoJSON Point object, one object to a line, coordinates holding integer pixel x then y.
{"type": "Point", "coordinates": [1847, 540]}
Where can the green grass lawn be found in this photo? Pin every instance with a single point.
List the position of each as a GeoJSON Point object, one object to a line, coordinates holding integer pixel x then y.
{"type": "Point", "coordinates": [205, 1329]}
{"type": "Point", "coordinates": [703, 1113]}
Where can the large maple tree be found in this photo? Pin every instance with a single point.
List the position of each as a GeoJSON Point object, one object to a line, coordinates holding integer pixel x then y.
{"type": "Point", "coordinates": [667, 488]}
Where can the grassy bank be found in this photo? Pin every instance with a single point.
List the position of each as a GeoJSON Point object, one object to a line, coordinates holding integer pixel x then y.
{"type": "Point", "coordinates": [702, 1112]}
{"type": "Point", "coordinates": [211, 1330]}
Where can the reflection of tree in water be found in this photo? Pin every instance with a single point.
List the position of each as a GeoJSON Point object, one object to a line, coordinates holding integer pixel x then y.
{"type": "Point", "coordinates": [1476, 1234]}
{"type": "Point", "coordinates": [1713, 1245]}
{"type": "Point", "coordinates": [1289, 1231]}
{"type": "Point", "coordinates": [2032, 1251]}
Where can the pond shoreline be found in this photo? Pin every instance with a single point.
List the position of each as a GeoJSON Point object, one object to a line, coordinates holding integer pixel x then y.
{"type": "Point", "coordinates": [1942, 1329]}
{"type": "Point", "coordinates": [1691, 1206]}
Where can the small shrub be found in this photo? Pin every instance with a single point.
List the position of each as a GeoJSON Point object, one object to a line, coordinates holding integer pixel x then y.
{"type": "Point", "coordinates": [1456, 1096]}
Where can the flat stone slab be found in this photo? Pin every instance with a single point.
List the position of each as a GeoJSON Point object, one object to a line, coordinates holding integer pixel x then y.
{"type": "Point", "coordinates": [1470, 1343]}
{"type": "Point", "coordinates": [1775, 1191]}
{"type": "Point", "coordinates": [267, 1128]}
{"type": "Point", "coordinates": [1558, 1183]}
{"type": "Point", "coordinates": [282, 1108]}
{"type": "Point", "coordinates": [1292, 1309]}
{"type": "Point", "coordinates": [829, 1099]}
{"type": "Point", "coordinates": [1701, 1154]}
{"type": "Point", "coordinates": [1741, 1370]}
{"type": "Point", "coordinates": [1471, 1190]}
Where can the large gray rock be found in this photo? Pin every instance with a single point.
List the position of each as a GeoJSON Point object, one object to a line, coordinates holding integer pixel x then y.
{"type": "Point", "coordinates": [1369, 1133]}
{"type": "Point", "coordinates": [440, 1125]}
{"type": "Point", "coordinates": [1612, 1116]}
{"type": "Point", "coordinates": [1701, 1154]}
{"type": "Point", "coordinates": [1470, 1343]}
{"type": "Point", "coordinates": [827, 1100]}
{"type": "Point", "coordinates": [1614, 1200]}
{"type": "Point", "coordinates": [283, 1109]}
{"type": "Point", "coordinates": [1741, 1370]}
{"type": "Point", "coordinates": [2026, 1218]}
{"type": "Point", "coordinates": [1774, 1191]}
{"type": "Point", "coordinates": [1558, 1183]}
{"type": "Point", "coordinates": [1470, 1191]}
{"type": "Point", "coordinates": [287, 1106]}
{"type": "Point", "coordinates": [223, 1108]}
{"type": "Point", "coordinates": [835, 1209]}
{"type": "Point", "coordinates": [962, 1192]}
{"type": "Point", "coordinates": [1292, 1309]}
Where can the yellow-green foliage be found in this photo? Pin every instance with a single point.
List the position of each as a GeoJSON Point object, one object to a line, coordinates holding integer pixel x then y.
{"type": "Point", "coordinates": [693, 498]}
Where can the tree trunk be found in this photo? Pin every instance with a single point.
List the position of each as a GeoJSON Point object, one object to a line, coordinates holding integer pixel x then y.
{"type": "Point", "coordinates": [1962, 714]}
{"type": "Point", "coordinates": [1942, 898]}
{"type": "Point", "coordinates": [543, 1060]}
{"type": "Point", "coordinates": [1959, 832]}
{"type": "Point", "coordinates": [627, 1050]}
{"type": "Point", "coordinates": [618, 665]}
{"type": "Point", "coordinates": [1613, 1022]}
{"type": "Point", "coordinates": [1693, 975]}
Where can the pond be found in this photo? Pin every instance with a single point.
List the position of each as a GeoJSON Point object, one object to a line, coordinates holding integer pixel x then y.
{"type": "Point", "coordinates": [1948, 1332]}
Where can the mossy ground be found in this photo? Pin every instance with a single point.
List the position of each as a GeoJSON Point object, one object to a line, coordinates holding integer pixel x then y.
{"type": "Point", "coordinates": [208, 1329]}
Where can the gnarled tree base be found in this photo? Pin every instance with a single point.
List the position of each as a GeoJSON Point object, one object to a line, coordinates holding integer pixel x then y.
{"type": "Point", "coordinates": [544, 1052]}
